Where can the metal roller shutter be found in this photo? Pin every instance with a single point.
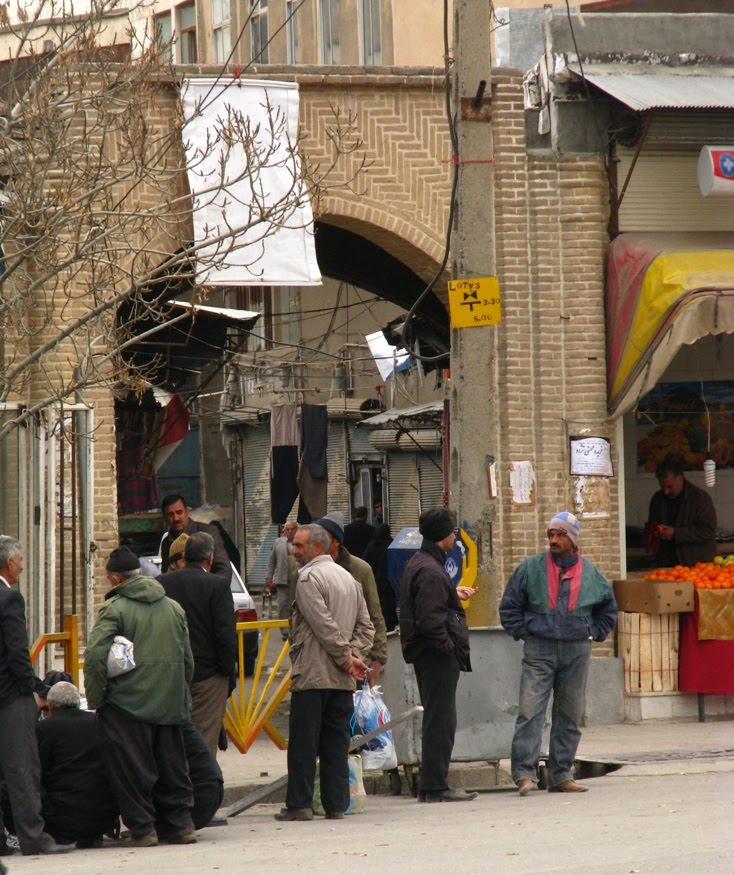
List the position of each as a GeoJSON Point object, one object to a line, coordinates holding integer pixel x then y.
{"type": "Point", "coordinates": [260, 533]}
{"type": "Point", "coordinates": [402, 490]}
{"type": "Point", "coordinates": [336, 458]}
{"type": "Point", "coordinates": [430, 481]}
{"type": "Point", "coordinates": [663, 195]}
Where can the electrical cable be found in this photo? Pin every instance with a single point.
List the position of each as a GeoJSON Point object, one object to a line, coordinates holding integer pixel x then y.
{"type": "Point", "coordinates": [600, 133]}
{"type": "Point", "coordinates": [452, 198]}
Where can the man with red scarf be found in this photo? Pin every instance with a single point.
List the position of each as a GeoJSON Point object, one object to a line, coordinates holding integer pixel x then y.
{"type": "Point", "coordinates": [558, 603]}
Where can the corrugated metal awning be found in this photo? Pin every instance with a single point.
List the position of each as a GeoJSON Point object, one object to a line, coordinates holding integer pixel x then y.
{"type": "Point", "coordinates": [395, 414]}
{"type": "Point", "coordinates": [643, 87]}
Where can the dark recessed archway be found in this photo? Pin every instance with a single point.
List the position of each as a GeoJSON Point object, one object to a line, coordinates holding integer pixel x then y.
{"type": "Point", "coordinates": [349, 257]}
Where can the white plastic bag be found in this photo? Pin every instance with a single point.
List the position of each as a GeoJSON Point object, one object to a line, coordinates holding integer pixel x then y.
{"type": "Point", "coordinates": [121, 658]}
{"type": "Point", "coordinates": [370, 712]}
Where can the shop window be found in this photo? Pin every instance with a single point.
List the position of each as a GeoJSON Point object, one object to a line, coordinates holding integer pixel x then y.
{"type": "Point", "coordinates": [330, 37]}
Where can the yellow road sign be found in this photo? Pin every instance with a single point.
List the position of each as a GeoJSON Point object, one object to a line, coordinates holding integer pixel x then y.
{"type": "Point", "coordinates": [475, 302]}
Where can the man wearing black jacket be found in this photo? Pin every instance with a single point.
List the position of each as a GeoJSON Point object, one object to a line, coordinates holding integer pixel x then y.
{"type": "Point", "coordinates": [78, 805]}
{"type": "Point", "coordinates": [207, 601]}
{"type": "Point", "coordinates": [18, 713]}
{"type": "Point", "coordinates": [435, 638]}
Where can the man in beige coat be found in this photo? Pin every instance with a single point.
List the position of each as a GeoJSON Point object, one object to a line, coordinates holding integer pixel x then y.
{"type": "Point", "coordinates": [360, 570]}
{"type": "Point", "coordinates": [330, 633]}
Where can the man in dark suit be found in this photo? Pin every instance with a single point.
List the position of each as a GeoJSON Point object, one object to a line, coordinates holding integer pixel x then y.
{"type": "Point", "coordinates": [78, 804]}
{"type": "Point", "coordinates": [207, 601]}
{"type": "Point", "coordinates": [18, 713]}
{"type": "Point", "coordinates": [358, 533]}
{"type": "Point", "coordinates": [176, 514]}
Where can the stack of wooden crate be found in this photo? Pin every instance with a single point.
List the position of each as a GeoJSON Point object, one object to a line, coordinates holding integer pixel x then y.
{"type": "Point", "coordinates": [648, 632]}
{"type": "Point", "coordinates": [648, 645]}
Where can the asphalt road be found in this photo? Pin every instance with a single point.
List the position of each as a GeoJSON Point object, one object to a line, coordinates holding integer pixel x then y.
{"type": "Point", "coordinates": [658, 818]}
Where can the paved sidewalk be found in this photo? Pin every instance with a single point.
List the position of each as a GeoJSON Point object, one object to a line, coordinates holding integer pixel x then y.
{"type": "Point", "coordinates": [650, 748]}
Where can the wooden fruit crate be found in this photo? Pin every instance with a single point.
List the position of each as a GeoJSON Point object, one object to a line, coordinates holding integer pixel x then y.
{"type": "Point", "coordinates": [649, 646]}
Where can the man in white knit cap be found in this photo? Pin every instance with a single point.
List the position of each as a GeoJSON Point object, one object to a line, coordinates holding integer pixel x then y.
{"type": "Point", "coordinates": [557, 603]}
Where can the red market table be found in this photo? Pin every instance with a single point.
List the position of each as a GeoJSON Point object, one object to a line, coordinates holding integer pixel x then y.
{"type": "Point", "coordinates": [707, 662]}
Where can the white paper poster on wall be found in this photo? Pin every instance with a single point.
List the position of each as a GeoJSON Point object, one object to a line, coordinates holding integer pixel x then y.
{"type": "Point", "coordinates": [591, 456]}
{"type": "Point", "coordinates": [253, 223]}
{"type": "Point", "coordinates": [522, 483]}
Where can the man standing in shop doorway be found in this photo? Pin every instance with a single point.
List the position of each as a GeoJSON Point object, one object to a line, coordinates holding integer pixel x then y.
{"type": "Point", "coordinates": [178, 519]}
{"type": "Point", "coordinates": [557, 603]}
{"type": "Point", "coordinates": [682, 520]}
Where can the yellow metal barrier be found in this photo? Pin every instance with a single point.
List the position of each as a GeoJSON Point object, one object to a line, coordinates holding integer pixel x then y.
{"type": "Point", "coordinates": [249, 713]}
{"type": "Point", "coordinates": [70, 640]}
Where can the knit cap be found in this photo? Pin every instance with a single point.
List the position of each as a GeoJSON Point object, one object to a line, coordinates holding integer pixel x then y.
{"type": "Point", "coordinates": [567, 523]}
{"type": "Point", "coordinates": [436, 524]}
{"type": "Point", "coordinates": [334, 524]}
{"type": "Point", "coordinates": [123, 559]}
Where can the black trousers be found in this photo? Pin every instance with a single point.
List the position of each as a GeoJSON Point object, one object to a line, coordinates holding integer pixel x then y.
{"type": "Point", "coordinates": [437, 678]}
{"type": "Point", "coordinates": [148, 772]}
{"type": "Point", "coordinates": [21, 769]}
{"type": "Point", "coordinates": [319, 727]}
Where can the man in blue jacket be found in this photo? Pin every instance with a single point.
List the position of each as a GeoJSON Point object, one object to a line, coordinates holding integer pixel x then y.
{"type": "Point", "coordinates": [558, 603]}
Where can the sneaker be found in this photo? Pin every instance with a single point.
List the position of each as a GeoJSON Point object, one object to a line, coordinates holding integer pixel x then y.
{"type": "Point", "coordinates": [12, 842]}
{"type": "Point", "coordinates": [295, 814]}
{"type": "Point", "coordinates": [150, 840]}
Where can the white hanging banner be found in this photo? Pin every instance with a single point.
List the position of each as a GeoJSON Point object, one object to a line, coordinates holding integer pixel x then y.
{"type": "Point", "coordinates": [253, 223]}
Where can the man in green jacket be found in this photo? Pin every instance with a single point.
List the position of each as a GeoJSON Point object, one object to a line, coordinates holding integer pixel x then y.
{"type": "Point", "coordinates": [140, 713]}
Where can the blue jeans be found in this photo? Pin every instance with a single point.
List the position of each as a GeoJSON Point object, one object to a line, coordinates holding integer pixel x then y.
{"type": "Point", "coordinates": [561, 668]}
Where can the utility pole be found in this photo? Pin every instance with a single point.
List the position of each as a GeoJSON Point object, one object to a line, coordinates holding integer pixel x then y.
{"type": "Point", "coordinates": [473, 394]}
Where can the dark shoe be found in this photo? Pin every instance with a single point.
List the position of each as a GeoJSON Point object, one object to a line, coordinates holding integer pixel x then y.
{"type": "Point", "coordinates": [335, 815]}
{"type": "Point", "coordinates": [95, 842]}
{"type": "Point", "coordinates": [568, 787]}
{"type": "Point", "coordinates": [182, 837]}
{"type": "Point", "coordinates": [447, 795]}
{"type": "Point", "coordinates": [50, 847]}
{"type": "Point", "coordinates": [295, 814]}
{"type": "Point", "coordinates": [147, 841]}
{"type": "Point", "coordinates": [524, 786]}
{"type": "Point", "coordinates": [5, 849]}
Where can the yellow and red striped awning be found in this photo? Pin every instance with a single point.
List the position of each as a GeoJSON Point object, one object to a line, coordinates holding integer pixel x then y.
{"type": "Point", "coordinates": [663, 291]}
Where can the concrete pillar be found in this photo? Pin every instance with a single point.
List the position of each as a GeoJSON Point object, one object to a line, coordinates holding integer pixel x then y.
{"type": "Point", "coordinates": [473, 395]}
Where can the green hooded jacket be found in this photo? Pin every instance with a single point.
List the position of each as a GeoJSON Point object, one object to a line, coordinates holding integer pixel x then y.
{"type": "Point", "coordinates": [157, 689]}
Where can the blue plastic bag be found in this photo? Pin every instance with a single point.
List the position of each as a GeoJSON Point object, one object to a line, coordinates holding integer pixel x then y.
{"type": "Point", "coordinates": [370, 712]}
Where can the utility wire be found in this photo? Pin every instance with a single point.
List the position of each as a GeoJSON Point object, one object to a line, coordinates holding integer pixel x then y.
{"type": "Point", "coordinates": [452, 197]}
